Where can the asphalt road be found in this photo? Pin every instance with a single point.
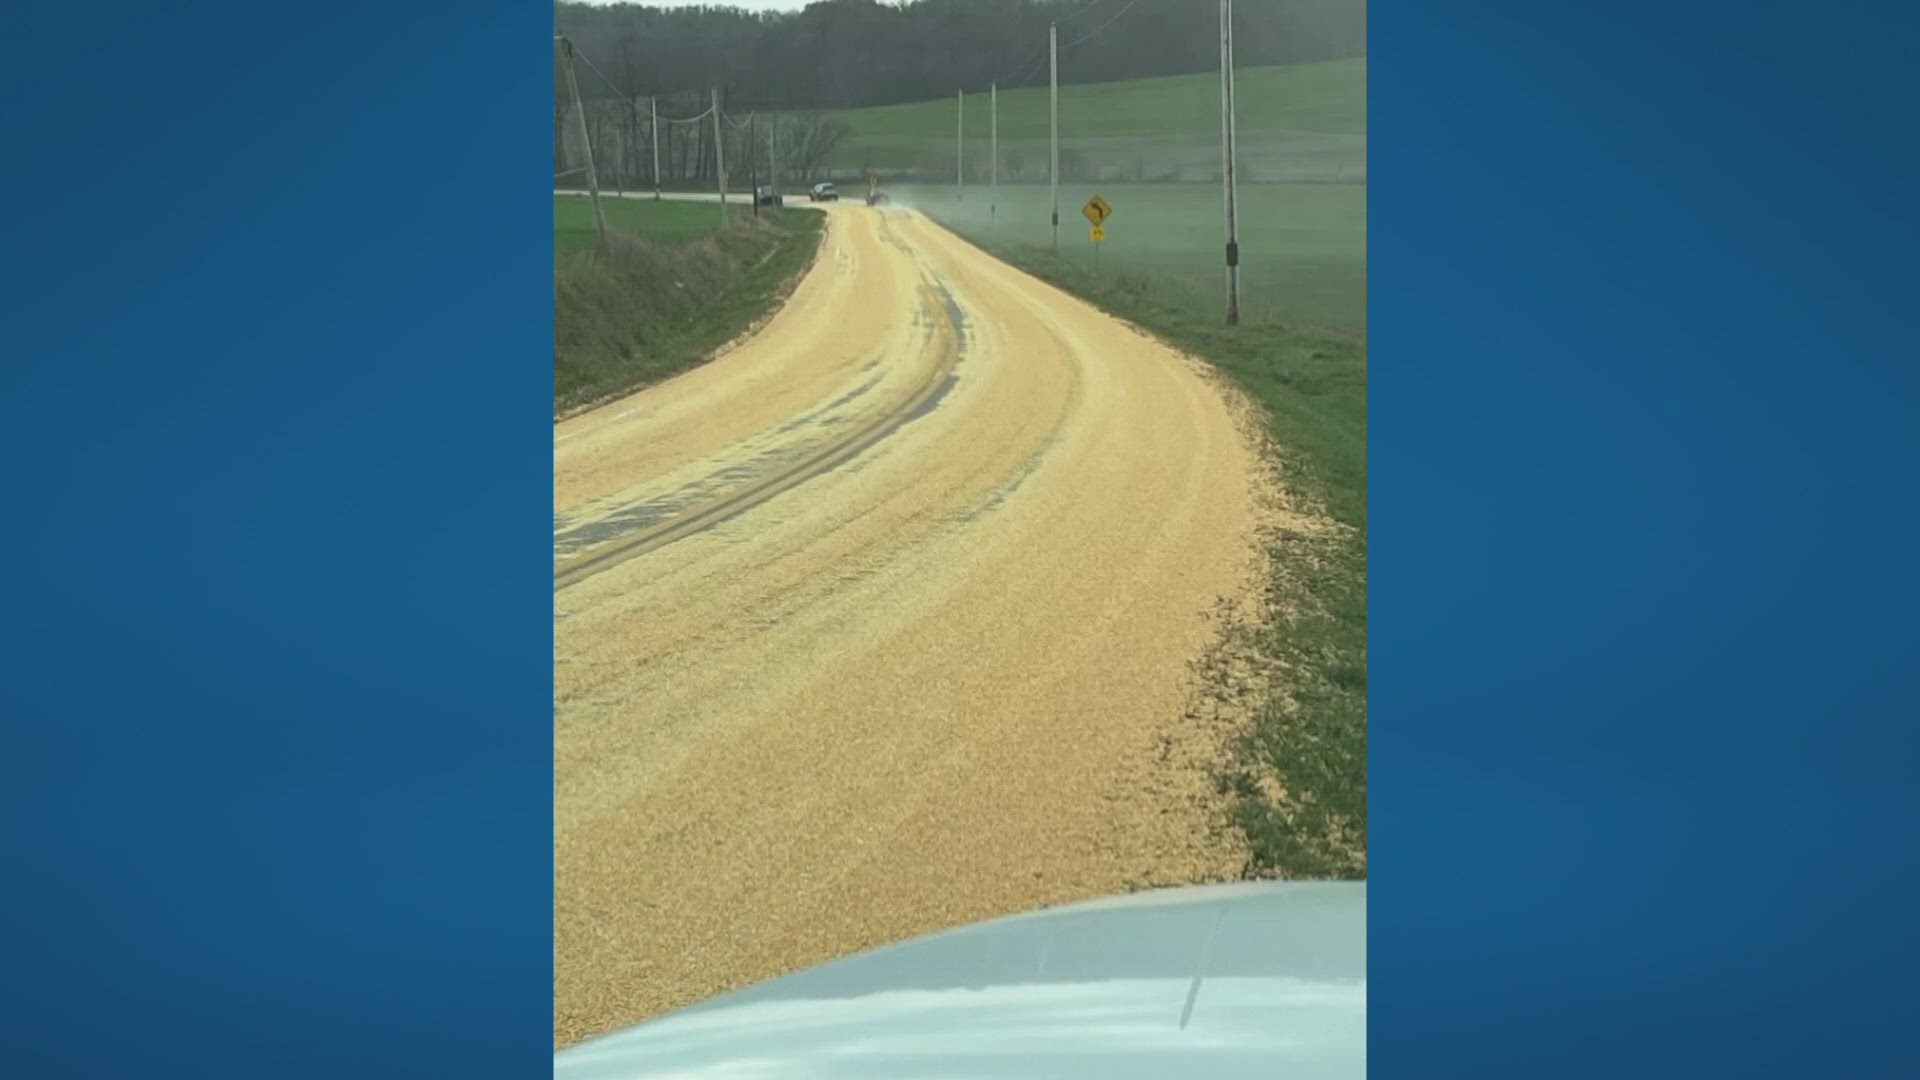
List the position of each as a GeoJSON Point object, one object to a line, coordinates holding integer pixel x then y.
{"type": "Point", "coordinates": [884, 621]}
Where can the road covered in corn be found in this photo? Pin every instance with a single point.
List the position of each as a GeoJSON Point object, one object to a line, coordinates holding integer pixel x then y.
{"type": "Point", "coordinates": [885, 620]}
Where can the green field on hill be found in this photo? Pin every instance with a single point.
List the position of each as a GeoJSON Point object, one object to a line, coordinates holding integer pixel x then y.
{"type": "Point", "coordinates": [1152, 148]}
{"type": "Point", "coordinates": [1303, 247]}
{"type": "Point", "coordinates": [1295, 123]}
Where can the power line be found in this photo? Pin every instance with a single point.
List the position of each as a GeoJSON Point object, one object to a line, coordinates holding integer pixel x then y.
{"type": "Point", "coordinates": [596, 73]}
{"type": "Point", "coordinates": [687, 120]}
{"type": "Point", "coordinates": [1040, 60]}
{"type": "Point", "coordinates": [1040, 55]}
{"type": "Point", "coordinates": [1038, 63]}
{"type": "Point", "coordinates": [568, 54]}
{"type": "Point", "coordinates": [1034, 69]}
{"type": "Point", "coordinates": [1077, 12]}
{"type": "Point", "coordinates": [590, 67]}
{"type": "Point", "coordinates": [1102, 26]}
{"type": "Point", "coordinates": [624, 95]}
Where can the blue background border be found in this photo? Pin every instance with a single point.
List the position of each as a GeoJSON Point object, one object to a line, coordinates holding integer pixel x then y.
{"type": "Point", "coordinates": [278, 792]}
{"type": "Point", "coordinates": [277, 779]}
{"type": "Point", "coordinates": [1642, 576]}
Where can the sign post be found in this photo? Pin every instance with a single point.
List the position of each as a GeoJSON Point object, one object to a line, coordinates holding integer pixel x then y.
{"type": "Point", "coordinates": [1097, 211]}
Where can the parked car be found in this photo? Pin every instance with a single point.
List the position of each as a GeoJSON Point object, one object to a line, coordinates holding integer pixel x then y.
{"type": "Point", "coordinates": [766, 196]}
{"type": "Point", "coordinates": [824, 193]}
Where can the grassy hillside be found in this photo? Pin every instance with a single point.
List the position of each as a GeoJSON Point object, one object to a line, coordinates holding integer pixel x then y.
{"type": "Point", "coordinates": [1328, 97]}
{"type": "Point", "coordinates": [1294, 122]}
{"type": "Point", "coordinates": [1152, 147]}
{"type": "Point", "coordinates": [671, 286]}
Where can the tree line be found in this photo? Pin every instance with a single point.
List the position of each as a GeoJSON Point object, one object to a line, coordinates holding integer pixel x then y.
{"type": "Point", "coordinates": [623, 142]}
{"type": "Point", "coordinates": [839, 54]}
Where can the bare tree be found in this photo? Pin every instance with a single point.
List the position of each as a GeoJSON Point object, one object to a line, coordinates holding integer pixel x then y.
{"type": "Point", "coordinates": [807, 139]}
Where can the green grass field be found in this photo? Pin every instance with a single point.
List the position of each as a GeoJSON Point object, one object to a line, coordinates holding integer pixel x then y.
{"type": "Point", "coordinates": [1294, 123]}
{"type": "Point", "coordinates": [665, 221]}
{"type": "Point", "coordinates": [1152, 148]}
{"type": "Point", "coordinates": [1303, 247]}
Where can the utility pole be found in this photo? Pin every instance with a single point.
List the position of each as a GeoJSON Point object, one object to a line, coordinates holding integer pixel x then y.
{"type": "Point", "coordinates": [959, 145]}
{"type": "Point", "coordinates": [1053, 171]}
{"type": "Point", "coordinates": [633, 142]}
{"type": "Point", "coordinates": [586, 141]}
{"type": "Point", "coordinates": [619, 176]}
{"type": "Point", "coordinates": [993, 152]}
{"type": "Point", "coordinates": [753, 178]}
{"type": "Point", "coordinates": [653, 123]}
{"type": "Point", "coordinates": [1227, 152]}
{"type": "Point", "coordinates": [773, 162]}
{"type": "Point", "coordinates": [719, 154]}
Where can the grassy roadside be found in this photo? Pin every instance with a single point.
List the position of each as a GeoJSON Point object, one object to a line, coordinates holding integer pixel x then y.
{"type": "Point", "coordinates": [668, 221]}
{"type": "Point", "coordinates": [1300, 773]}
{"type": "Point", "coordinates": [1303, 247]}
{"type": "Point", "coordinates": [669, 289]}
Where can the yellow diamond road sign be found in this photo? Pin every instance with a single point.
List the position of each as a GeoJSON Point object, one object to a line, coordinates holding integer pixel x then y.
{"type": "Point", "coordinates": [1099, 233]}
{"type": "Point", "coordinates": [1097, 210]}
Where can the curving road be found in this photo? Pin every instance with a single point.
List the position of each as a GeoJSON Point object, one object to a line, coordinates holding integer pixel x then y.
{"type": "Point", "coordinates": [881, 622]}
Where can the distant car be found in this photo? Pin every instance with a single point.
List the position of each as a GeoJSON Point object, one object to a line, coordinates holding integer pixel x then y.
{"type": "Point", "coordinates": [1244, 980]}
{"type": "Point", "coordinates": [824, 193]}
{"type": "Point", "coordinates": [766, 196]}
